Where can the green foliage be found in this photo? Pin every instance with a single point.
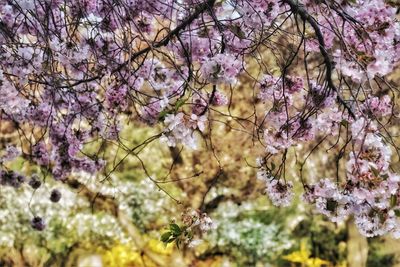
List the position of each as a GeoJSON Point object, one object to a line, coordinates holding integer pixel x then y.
{"type": "Point", "coordinates": [177, 234]}
{"type": "Point", "coordinates": [376, 254]}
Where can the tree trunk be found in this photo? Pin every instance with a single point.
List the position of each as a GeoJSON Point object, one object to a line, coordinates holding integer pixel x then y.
{"type": "Point", "coordinates": [357, 247]}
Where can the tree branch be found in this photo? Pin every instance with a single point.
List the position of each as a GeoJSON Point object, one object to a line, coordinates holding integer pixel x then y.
{"type": "Point", "coordinates": [305, 16]}
{"type": "Point", "coordinates": [201, 8]}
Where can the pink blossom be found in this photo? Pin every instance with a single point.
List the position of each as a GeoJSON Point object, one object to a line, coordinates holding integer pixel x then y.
{"type": "Point", "coordinates": [222, 68]}
{"type": "Point", "coordinates": [281, 194]}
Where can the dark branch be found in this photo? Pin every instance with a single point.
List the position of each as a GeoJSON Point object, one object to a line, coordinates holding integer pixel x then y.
{"type": "Point", "coordinates": [305, 16]}
{"type": "Point", "coordinates": [200, 9]}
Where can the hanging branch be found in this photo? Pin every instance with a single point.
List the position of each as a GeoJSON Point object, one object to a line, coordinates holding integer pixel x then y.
{"type": "Point", "coordinates": [298, 9]}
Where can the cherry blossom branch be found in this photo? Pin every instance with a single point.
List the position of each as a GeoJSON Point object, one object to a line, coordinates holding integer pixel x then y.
{"type": "Point", "coordinates": [200, 9]}
{"type": "Point", "coordinates": [305, 16]}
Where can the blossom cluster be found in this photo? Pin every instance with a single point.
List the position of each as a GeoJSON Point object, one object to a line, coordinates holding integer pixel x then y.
{"type": "Point", "coordinates": [180, 129]}
{"type": "Point", "coordinates": [285, 124]}
{"type": "Point", "coordinates": [193, 219]}
{"type": "Point", "coordinates": [221, 68]}
{"type": "Point", "coordinates": [370, 192]}
{"type": "Point", "coordinates": [279, 192]}
{"type": "Point", "coordinates": [377, 53]}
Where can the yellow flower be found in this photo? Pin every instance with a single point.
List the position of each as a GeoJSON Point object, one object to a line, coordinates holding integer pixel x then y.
{"type": "Point", "coordinates": [303, 257]}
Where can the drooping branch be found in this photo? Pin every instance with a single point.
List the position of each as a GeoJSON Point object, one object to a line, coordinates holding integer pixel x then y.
{"type": "Point", "coordinates": [305, 16]}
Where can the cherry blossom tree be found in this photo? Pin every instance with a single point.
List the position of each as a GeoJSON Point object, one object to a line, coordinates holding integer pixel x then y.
{"type": "Point", "coordinates": [74, 73]}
